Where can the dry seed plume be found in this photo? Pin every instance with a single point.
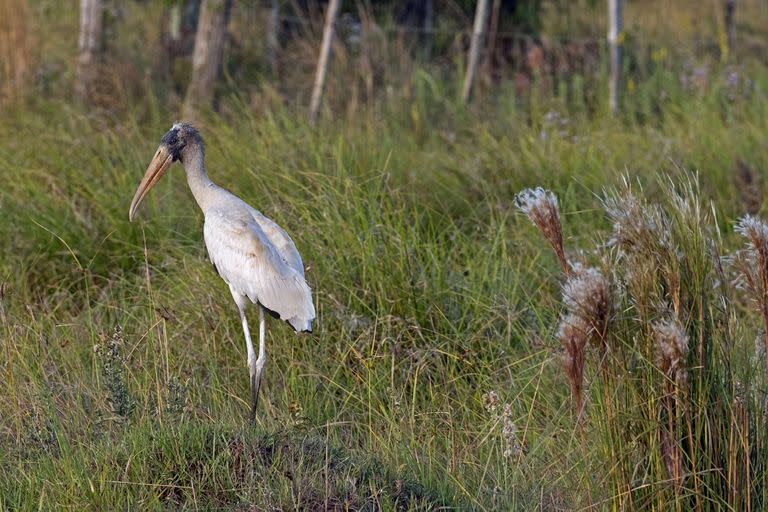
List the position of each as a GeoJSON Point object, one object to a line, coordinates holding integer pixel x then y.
{"type": "Point", "coordinates": [755, 230]}
{"type": "Point", "coordinates": [588, 301]}
{"type": "Point", "coordinates": [671, 348]}
{"type": "Point", "coordinates": [671, 342]}
{"type": "Point", "coordinates": [752, 265]}
{"type": "Point", "coordinates": [671, 455]}
{"type": "Point", "coordinates": [541, 207]}
{"type": "Point", "coordinates": [573, 334]}
{"type": "Point", "coordinates": [587, 294]}
{"type": "Point", "coordinates": [637, 226]}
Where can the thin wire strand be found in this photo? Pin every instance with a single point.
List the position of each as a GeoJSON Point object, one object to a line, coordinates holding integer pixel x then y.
{"type": "Point", "coordinates": [404, 29]}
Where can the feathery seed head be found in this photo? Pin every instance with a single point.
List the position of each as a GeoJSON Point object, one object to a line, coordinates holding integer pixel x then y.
{"type": "Point", "coordinates": [752, 266]}
{"type": "Point", "coordinates": [755, 230]}
{"type": "Point", "coordinates": [587, 294]}
{"type": "Point", "coordinates": [752, 262]}
{"type": "Point", "coordinates": [537, 203]}
{"type": "Point", "coordinates": [540, 206]}
{"type": "Point", "coordinates": [636, 225]}
{"type": "Point", "coordinates": [574, 334]}
{"type": "Point", "coordinates": [573, 331]}
{"type": "Point", "coordinates": [748, 277]}
{"type": "Point", "coordinates": [627, 215]}
{"type": "Point", "coordinates": [671, 347]}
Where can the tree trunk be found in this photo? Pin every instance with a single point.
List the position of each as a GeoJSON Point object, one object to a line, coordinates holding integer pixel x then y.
{"type": "Point", "coordinates": [429, 29]}
{"type": "Point", "coordinates": [366, 65]}
{"type": "Point", "coordinates": [322, 62]}
{"type": "Point", "coordinates": [208, 54]}
{"type": "Point", "coordinates": [490, 57]}
{"type": "Point", "coordinates": [614, 43]}
{"type": "Point", "coordinates": [163, 66]}
{"type": "Point", "coordinates": [178, 26]}
{"type": "Point", "coordinates": [478, 32]}
{"type": "Point", "coordinates": [730, 25]}
{"type": "Point", "coordinates": [89, 46]}
{"type": "Point", "coordinates": [14, 48]}
{"type": "Point", "coordinates": [273, 35]}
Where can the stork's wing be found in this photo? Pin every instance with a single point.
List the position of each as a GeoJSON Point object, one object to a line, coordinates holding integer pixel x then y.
{"type": "Point", "coordinates": [280, 240]}
{"type": "Point", "coordinates": [248, 261]}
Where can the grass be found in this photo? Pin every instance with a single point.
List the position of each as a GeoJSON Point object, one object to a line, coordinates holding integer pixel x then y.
{"type": "Point", "coordinates": [206, 466]}
{"type": "Point", "coordinates": [400, 355]}
{"type": "Point", "coordinates": [433, 377]}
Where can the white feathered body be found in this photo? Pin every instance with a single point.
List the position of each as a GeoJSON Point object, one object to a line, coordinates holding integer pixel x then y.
{"type": "Point", "coordinates": [257, 258]}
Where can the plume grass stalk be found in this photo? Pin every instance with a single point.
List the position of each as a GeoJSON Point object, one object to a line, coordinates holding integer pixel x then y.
{"type": "Point", "coordinates": [540, 206]}
{"type": "Point", "coordinates": [752, 265]}
{"type": "Point", "coordinates": [665, 258]}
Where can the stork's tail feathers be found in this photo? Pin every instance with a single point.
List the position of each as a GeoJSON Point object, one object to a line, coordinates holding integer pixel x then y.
{"type": "Point", "coordinates": [299, 324]}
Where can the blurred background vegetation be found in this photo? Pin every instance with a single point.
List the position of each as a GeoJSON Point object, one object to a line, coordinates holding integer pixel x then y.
{"type": "Point", "coordinates": [383, 50]}
{"type": "Point", "coordinates": [434, 376]}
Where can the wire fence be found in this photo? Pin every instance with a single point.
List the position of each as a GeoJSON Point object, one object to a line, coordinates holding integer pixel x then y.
{"type": "Point", "coordinates": [347, 22]}
{"type": "Point", "coordinates": [358, 25]}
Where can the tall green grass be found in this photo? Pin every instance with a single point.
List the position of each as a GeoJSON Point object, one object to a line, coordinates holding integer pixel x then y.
{"type": "Point", "coordinates": [431, 290]}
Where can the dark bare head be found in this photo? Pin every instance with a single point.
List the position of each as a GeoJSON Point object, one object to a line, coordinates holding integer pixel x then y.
{"type": "Point", "coordinates": [182, 136]}
{"type": "Point", "coordinates": [180, 141]}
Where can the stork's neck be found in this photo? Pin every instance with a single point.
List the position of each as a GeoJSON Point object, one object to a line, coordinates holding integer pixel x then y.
{"type": "Point", "coordinates": [200, 184]}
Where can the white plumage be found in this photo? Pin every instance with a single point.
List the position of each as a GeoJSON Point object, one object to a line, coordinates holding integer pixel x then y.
{"type": "Point", "coordinates": [258, 259]}
{"type": "Point", "coordinates": [254, 256]}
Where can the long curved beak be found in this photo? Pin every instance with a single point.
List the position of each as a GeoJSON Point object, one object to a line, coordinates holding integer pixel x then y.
{"type": "Point", "coordinates": [160, 163]}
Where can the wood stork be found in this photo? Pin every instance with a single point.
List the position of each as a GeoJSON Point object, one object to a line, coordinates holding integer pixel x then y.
{"type": "Point", "coordinates": [254, 256]}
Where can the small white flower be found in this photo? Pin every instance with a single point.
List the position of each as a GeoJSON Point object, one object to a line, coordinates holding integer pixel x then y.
{"type": "Point", "coordinates": [491, 401]}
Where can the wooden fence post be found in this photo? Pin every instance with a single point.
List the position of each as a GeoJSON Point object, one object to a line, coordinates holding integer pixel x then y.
{"type": "Point", "coordinates": [322, 61]}
{"type": "Point", "coordinates": [614, 44]}
{"type": "Point", "coordinates": [481, 19]}
{"type": "Point", "coordinates": [89, 46]}
{"type": "Point", "coordinates": [208, 54]}
{"type": "Point", "coordinates": [14, 48]}
{"type": "Point", "coordinates": [273, 35]}
{"type": "Point", "coordinates": [429, 28]}
{"type": "Point", "coordinates": [729, 22]}
{"type": "Point", "coordinates": [493, 31]}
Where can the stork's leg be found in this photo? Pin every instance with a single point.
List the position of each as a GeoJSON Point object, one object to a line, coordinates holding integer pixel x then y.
{"type": "Point", "coordinates": [258, 366]}
{"type": "Point", "coordinates": [253, 368]}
